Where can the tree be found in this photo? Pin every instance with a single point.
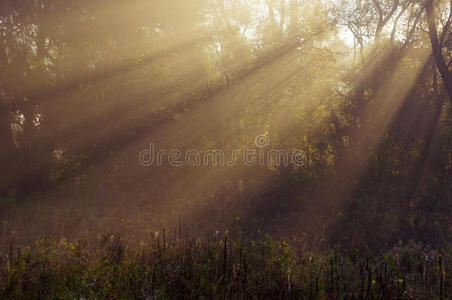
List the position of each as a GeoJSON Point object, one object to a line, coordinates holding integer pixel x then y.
{"type": "Point", "coordinates": [437, 42]}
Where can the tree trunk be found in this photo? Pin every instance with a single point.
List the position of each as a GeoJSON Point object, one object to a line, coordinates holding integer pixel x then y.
{"type": "Point", "coordinates": [436, 48]}
{"type": "Point", "coordinates": [282, 20]}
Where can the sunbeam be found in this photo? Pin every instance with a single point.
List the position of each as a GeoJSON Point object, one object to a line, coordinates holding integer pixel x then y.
{"type": "Point", "coordinates": [154, 149]}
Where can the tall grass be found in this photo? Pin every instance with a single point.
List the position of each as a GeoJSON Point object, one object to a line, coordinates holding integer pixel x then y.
{"type": "Point", "coordinates": [219, 266]}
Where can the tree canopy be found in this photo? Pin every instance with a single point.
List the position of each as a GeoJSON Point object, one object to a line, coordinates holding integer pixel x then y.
{"type": "Point", "coordinates": [346, 105]}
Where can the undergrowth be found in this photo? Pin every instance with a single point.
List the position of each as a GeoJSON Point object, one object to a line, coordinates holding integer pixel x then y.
{"type": "Point", "coordinates": [220, 266]}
